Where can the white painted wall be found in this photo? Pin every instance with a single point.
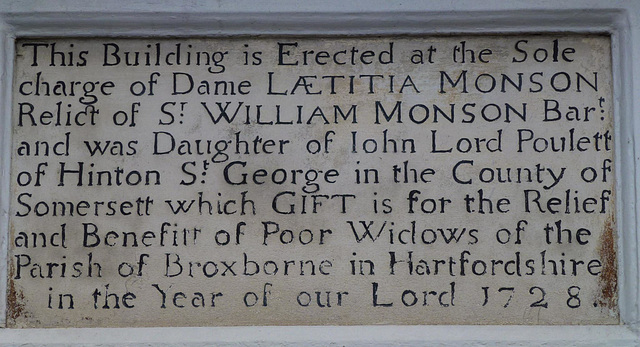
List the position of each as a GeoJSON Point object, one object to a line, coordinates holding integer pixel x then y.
{"type": "Point", "coordinates": [620, 18]}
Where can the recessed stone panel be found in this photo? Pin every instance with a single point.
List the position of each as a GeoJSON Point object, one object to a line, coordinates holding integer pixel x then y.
{"type": "Point", "coordinates": [312, 181]}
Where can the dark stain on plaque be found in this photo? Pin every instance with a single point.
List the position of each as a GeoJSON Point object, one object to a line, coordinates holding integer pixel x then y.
{"type": "Point", "coordinates": [608, 280]}
{"type": "Point", "coordinates": [15, 300]}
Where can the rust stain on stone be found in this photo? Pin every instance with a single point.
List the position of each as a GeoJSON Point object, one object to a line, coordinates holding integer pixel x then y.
{"type": "Point", "coordinates": [15, 300]}
{"type": "Point", "coordinates": [608, 280]}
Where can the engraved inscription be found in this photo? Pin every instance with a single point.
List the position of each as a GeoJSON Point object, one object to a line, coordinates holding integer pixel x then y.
{"type": "Point", "coordinates": [312, 181]}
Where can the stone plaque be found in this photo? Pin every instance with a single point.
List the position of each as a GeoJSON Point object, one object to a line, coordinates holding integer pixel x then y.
{"type": "Point", "coordinates": [312, 181]}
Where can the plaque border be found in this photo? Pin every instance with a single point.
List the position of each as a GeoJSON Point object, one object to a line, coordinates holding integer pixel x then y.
{"type": "Point", "coordinates": [139, 18]}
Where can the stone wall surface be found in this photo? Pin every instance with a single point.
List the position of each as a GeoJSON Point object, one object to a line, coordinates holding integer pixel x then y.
{"type": "Point", "coordinates": [422, 180]}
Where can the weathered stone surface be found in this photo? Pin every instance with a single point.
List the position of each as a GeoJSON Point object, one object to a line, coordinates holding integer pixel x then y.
{"type": "Point", "coordinates": [395, 180]}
